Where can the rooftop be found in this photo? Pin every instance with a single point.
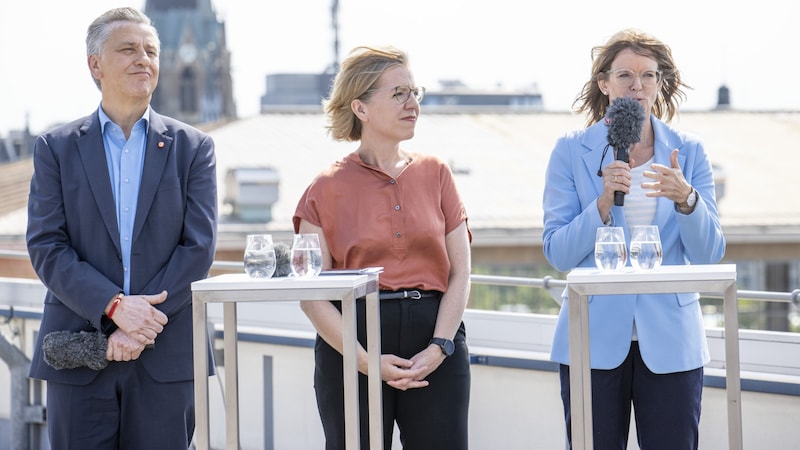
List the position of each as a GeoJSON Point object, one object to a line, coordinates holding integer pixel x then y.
{"type": "Point", "coordinates": [500, 158]}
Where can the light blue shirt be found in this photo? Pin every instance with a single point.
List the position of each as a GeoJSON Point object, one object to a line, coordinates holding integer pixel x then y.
{"type": "Point", "coordinates": [125, 159]}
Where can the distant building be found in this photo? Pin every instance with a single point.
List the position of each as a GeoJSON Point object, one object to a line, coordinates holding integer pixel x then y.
{"type": "Point", "coordinates": [455, 94]}
{"type": "Point", "coordinates": [290, 90]}
{"type": "Point", "coordinates": [17, 145]}
{"type": "Point", "coordinates": [16, 167]}
{"type": "Point", "coordinates": [295, 89]}
{"type": "Point", "coordinates": [195, 83]}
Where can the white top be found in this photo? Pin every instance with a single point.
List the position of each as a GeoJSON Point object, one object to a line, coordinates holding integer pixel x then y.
{"type": "Point", "coordinates": [639, 209]}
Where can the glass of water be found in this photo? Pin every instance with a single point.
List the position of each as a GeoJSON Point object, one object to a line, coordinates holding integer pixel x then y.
{"type": "Point", "coordinates": [306, 255]}
{"type": "Point", "coordinates": [645, 247]}
{"type": "Point", "coordinates": [259, 256]}
{"type": "Point", "coordinates": [610, 252]}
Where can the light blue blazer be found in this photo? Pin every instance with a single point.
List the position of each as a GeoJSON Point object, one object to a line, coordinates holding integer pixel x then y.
{"type": "Point", "coordinates": [669, 326]}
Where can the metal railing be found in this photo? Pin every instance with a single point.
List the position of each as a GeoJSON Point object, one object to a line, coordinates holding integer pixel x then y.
{"type": "Point", "coordinates": [552, 285]}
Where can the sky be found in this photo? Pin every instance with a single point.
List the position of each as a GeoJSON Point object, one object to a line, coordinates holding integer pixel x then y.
{"type": "Point", "coordinates": [751, 47]}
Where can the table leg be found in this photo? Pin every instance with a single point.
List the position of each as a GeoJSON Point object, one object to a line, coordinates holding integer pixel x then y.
{"type": "Point", "coordinates": [732, 380]}
{"type": "Point", "coordinates": [350, 367]}
{"type": "Point", "coordinates": [200, 339]}
{"type": "Point", "coordinates": [580, 374]}
{"type": "Point", "coordinates": [231, 376]}
{"type": "Point", "coordinates": [374, 380]}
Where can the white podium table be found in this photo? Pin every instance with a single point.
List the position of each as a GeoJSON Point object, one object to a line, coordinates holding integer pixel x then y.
{"type": "Point", "coordinates": [583, 282]}
{"type": "Point", "coordinates": [232, 288]}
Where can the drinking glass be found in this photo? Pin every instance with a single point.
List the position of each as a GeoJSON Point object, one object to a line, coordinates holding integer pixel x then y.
{"type": "Point", "coordinates": [306, 255]}
{"type": "Point", "coordinates": [259, 256]}
{"type": "Point", "coordinates": [645, 247]}
{"type": "Point", "coordinates": [609, 248]}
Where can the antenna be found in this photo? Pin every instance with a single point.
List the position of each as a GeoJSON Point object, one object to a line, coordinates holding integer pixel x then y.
{"type": "Point", "coordinates": [334, 67]}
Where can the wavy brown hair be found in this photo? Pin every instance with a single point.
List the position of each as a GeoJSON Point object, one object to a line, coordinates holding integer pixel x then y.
{"type": "Point", "coordinates": [594, 103]}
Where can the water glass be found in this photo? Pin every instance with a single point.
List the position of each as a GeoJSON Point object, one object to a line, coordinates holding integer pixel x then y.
{"type": "Point", "coordinates": [610, 252]}
{"type": "Point", "coordinates": [259, 256]}
{"type": "Point", "coordinates": [306, 255]}
{"type": "Point", "coordinates": [645, 247]}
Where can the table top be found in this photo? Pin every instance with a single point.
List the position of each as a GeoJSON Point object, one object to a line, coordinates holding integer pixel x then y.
{"type": "Point", "coordinates": [241, 282]}
{"type": "Point", "coordinates": [703, 272]}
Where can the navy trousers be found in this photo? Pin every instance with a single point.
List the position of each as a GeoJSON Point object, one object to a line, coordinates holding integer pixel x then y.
{"type": "Point", "coordinates": [123, 408]}
{"type": "Point", "coordinates": [666, 406]}
{"type": "Point", "coordinates": [433, 417]}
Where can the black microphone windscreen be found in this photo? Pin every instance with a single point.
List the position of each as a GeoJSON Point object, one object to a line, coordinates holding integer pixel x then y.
{"type": "Point", "coordinates": [283, 260]}
{"type": "Point", "coordinates": [626, 118]}
{"type": "Point", "coordinates": [70, 349]}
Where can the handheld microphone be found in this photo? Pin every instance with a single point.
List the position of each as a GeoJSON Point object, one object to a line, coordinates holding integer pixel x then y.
{"type": "Point", "coordinates": [69, 349]}
{"type": "Point", "coordinates": [283, 260]}
{"type": "Point", "coordinates": [73, 349]}
{"type": "Point", "coordinates": [625, 117]}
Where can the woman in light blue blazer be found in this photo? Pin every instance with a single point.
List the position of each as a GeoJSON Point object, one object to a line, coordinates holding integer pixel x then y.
{"type": "Point", "coordinates": [646, 350]}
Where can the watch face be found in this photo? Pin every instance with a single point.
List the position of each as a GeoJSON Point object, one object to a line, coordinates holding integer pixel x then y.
{"type": "Point", "coordinates": [449, 347]}
{"type": "Point", "coordinates": [692, 199]}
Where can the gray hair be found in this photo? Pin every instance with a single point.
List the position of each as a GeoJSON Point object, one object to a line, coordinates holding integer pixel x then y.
{"type": "Point", "coordinates": [100, 30]}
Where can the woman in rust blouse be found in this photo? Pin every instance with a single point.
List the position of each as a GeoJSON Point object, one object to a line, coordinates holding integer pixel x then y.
{"type": "Point", "coordinates": [384, 206]}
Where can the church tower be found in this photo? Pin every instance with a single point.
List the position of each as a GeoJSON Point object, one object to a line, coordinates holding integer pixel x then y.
{"type": "Point", "coordinates": [195, 83]}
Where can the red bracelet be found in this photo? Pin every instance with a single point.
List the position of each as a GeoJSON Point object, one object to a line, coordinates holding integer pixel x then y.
{"type": "Point", "coordinates": [113, 308]}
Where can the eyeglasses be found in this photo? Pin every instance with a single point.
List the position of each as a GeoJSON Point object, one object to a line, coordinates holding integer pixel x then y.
{"type": "Point", "coordinates": [626, 77]}
{"type": "Point", "coordinates": [403, 93]}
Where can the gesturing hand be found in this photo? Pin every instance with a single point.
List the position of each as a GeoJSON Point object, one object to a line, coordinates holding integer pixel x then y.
{"type": "Point", "coordinates": [668, 181]}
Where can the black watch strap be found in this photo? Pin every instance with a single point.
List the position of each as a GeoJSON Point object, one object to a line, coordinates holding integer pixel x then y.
{"type": "Point", "coordinates": [448, 347]}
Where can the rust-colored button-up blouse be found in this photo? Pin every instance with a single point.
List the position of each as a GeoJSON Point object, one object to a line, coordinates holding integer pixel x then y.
{"type": "Point", "coordinates": [371, 219]}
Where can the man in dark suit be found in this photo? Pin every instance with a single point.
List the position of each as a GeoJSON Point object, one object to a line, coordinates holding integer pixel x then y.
{"type": "Point", "coordinates": [121, 220]}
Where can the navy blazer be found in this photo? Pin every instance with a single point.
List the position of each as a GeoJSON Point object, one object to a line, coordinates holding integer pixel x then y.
{"type": "Point", "coordinates": [669, 326]}
{"type": "Point", "coordinates": [73, 236]}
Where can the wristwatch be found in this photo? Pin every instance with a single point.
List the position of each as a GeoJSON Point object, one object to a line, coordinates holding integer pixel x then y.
{"type": "Point", "coordinates": [690, 201]}
{"type": "Point", "coordinates": [447, 346]}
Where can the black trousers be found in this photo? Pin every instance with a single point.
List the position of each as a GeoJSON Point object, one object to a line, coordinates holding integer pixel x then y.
{"type": "Point", "coordinates": [666, 406]}
{"type": "Point", "coordinates": [433, 417]}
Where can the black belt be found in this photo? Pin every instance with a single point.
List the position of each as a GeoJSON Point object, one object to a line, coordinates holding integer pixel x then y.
{"type": "Point", "coordinates": [410, 294]}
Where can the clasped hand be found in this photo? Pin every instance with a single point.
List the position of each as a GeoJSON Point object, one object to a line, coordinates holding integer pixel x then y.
{"type": "Point", "coordinates": [139, 323]}
{"type": "Point", "coordinates": [404, 374]}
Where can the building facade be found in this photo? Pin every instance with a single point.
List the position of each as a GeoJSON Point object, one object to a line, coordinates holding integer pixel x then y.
{"type": "Point", "coordinates": [195, 83]}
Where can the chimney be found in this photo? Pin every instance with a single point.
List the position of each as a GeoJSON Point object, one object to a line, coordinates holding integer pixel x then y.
{"type": "Point", "coordinates": [251, 192]}
{"type": "Point", "coordinates": [723, 98]}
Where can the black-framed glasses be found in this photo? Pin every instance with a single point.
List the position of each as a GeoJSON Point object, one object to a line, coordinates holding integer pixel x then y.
{"type": "Point", "coordinates": [626, 77]}
{"type": "Point", "coordinates": [403, 93]}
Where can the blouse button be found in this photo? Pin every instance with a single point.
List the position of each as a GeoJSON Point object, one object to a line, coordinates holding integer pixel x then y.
{"type": "Point", "coordinates": [397, 207]}
{"type": "Point", "coordinates": [397, 234]}
{"type": "Point", "coordinates": [392, 181]}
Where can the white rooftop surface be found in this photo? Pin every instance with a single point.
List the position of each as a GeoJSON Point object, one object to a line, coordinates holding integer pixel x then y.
{"type": "Point", "coordinates": [504, 157]}
{"type": "Point", "coordinates": [507, 154]}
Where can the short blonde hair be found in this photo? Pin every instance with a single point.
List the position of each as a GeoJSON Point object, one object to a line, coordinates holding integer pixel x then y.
{"type": "Point", "coordinates": [359, 73]}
